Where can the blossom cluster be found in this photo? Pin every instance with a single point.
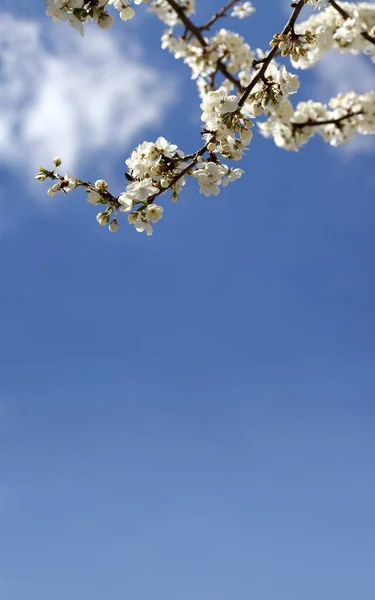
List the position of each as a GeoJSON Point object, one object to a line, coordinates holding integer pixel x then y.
{"type": "Point", "coordinates": [167, 15]}
{"type": "Point", "coordinates": [213, 174]}
{"type": "Point", "coordinates": [79, 12]}
{"type": "Point", "coordinates": [293, 44]}
{"type": "Point", "coordinates": [345, 116]}
{"type": "Point", "coordinates": [338, 33]}
{"type": "Point", "coordinates": [154, 167]}
{"type": "Point", "coordinates": [227, 127]}
{"type": "Point", "coordinates": [225, 47]}
{"type": "Point", "coordinates": [273, 90]}
{"type": "Point", "coordinates": [236, 84]}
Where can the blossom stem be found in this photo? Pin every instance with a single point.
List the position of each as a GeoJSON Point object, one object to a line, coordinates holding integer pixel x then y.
{"type": "Point", "coordinates": [311, 123]}
{"type": "Point", "coordinates": [298, 6]}
{"type": "Point", "coordinates": [105, 194]}
{"type": "Point", "coordinates": [220, 13]}
{"type": "Point", "coordinates": [184, 171]}
{"type": "Point", "coordinates": [199, 36]}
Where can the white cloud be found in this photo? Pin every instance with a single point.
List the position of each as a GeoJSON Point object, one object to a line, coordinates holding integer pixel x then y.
{"type": "Point", "coordinates": [344, 72]}
{"type": "Point", "coordinates": [64, 95]}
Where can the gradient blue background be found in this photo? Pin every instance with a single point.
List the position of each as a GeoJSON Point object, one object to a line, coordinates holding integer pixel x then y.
{"type": "Point", "coordinates": [191, 416]}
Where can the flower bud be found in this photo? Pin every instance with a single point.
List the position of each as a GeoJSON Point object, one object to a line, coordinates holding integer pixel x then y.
{"type": "Point", "coordinates": [246, 135]}
{"type": "Point", "coordinates": [257, 110]}
{"type": "Point", "coordinates": [41, 177]}
{"type": "Point", "coordinates": [236, 155]}
{"type": "Point", "coordinates": [105, 21]}
{"type": "Point", "coordinates": [52, 190]}
{"type": "Point", "coordinates": [101, 185]}
{"type": "Point", "coordinates": [103, 218]}
{"type": "Point", "coordinates": [113, 226]}
{"type": "Point", "coordinates": [164, 183]}
{"type": "Point", "coordinates": [57, 161]}
{"type": "Point", "coordinates": [127, 13]}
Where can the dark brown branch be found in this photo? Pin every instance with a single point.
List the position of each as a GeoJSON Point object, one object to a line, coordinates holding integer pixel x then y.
{"type": "Point", "coordinates": [259, 61]}
{"type": "Point", "coordinates": [311, 123]}
{"type": "Point", "coordinates": [220, 13]}
{"type": "Point", "coordinates": [184, 171]}
{"type": "Point", "coordinates": [345, 15]}
{"type": "Point", "coordinates": [298, 6]}
{"type": "Point", "coordinates": [104, 194]}
{"type": "Point", "coordinates": [187, 22]}
{"type": "Point", "coordinates": [199, 36]}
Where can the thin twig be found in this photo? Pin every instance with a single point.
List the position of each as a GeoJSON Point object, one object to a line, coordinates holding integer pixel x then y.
{"type": "Point", "coordinates": [298, 6]}
{"type": "Point", "coordinates": [311, 123]}
{"type": "Point", "coordinates": [199, 36]}
{"type": "Point", "coordinates": [220, 13]}
{"type": "Point", "coordinates": [184, 171]}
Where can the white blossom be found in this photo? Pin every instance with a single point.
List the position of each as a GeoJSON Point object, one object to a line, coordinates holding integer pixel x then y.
{"type": "Point", "coordinates": [126, 202]}
{"type": "Point", "coordinates": [69, 183]}
{"type": "Point", "coordinates": [242, 10]}
{"type": "Point", "coordinates": [154, 213]}
{"type": "Point", "coordinates": [141, 190]}
{"type": "Point", "coordinates": [337, 33]}
{"type": "Point", "coordinates": [236, 85]}
{"type": "Point", "coordinates": [140, 223]}
{"type": "Point", "coordinates": [209, 178]}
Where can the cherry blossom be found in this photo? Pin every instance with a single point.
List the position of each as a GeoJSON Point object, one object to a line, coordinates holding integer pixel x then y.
{"type": "Point", "coordinates": [237, 85]}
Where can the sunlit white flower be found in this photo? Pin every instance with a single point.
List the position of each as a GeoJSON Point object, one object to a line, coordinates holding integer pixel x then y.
{"type": "Point", "coordinates": [165, 147]}
{"type": "Point", "coordinates": [140, 224]}
{"type": "Point", "coordinates": [154, 213]}
{"type": "Point", "coordinates": [231, 176]}
{"type": "Point", "coordinates": [126, 202]}
{"type": "Point", "coordinates": [209, 178]}
{"type": "Point", "coordinates": [242, 10]}
{"type": "Point", "coordinates": [141, 190]}
{"type": "Point", "coordinates": [69, 183]}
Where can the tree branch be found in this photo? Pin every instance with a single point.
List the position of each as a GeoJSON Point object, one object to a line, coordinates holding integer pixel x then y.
{"type": "Point", "coordinates": [181, 174]}
{"type": "Point", "coordinates": [345, 15]}
{"type": "Point", "coordinates": [220, 13]}
{"type": "Point", "coordinates": [289, 27]}
{"type": "Point", "coordinates": [311, 123]}
{"type": "Point", "coordinates": [190, 26]}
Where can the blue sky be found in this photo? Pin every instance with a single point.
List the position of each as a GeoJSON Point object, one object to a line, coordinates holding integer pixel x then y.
{"type": "Point", "coordinates": [191, 415]}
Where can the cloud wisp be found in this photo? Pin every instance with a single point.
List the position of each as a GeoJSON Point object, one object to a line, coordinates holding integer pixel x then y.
{"type": "Point", "coordinates": [63, 95]}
